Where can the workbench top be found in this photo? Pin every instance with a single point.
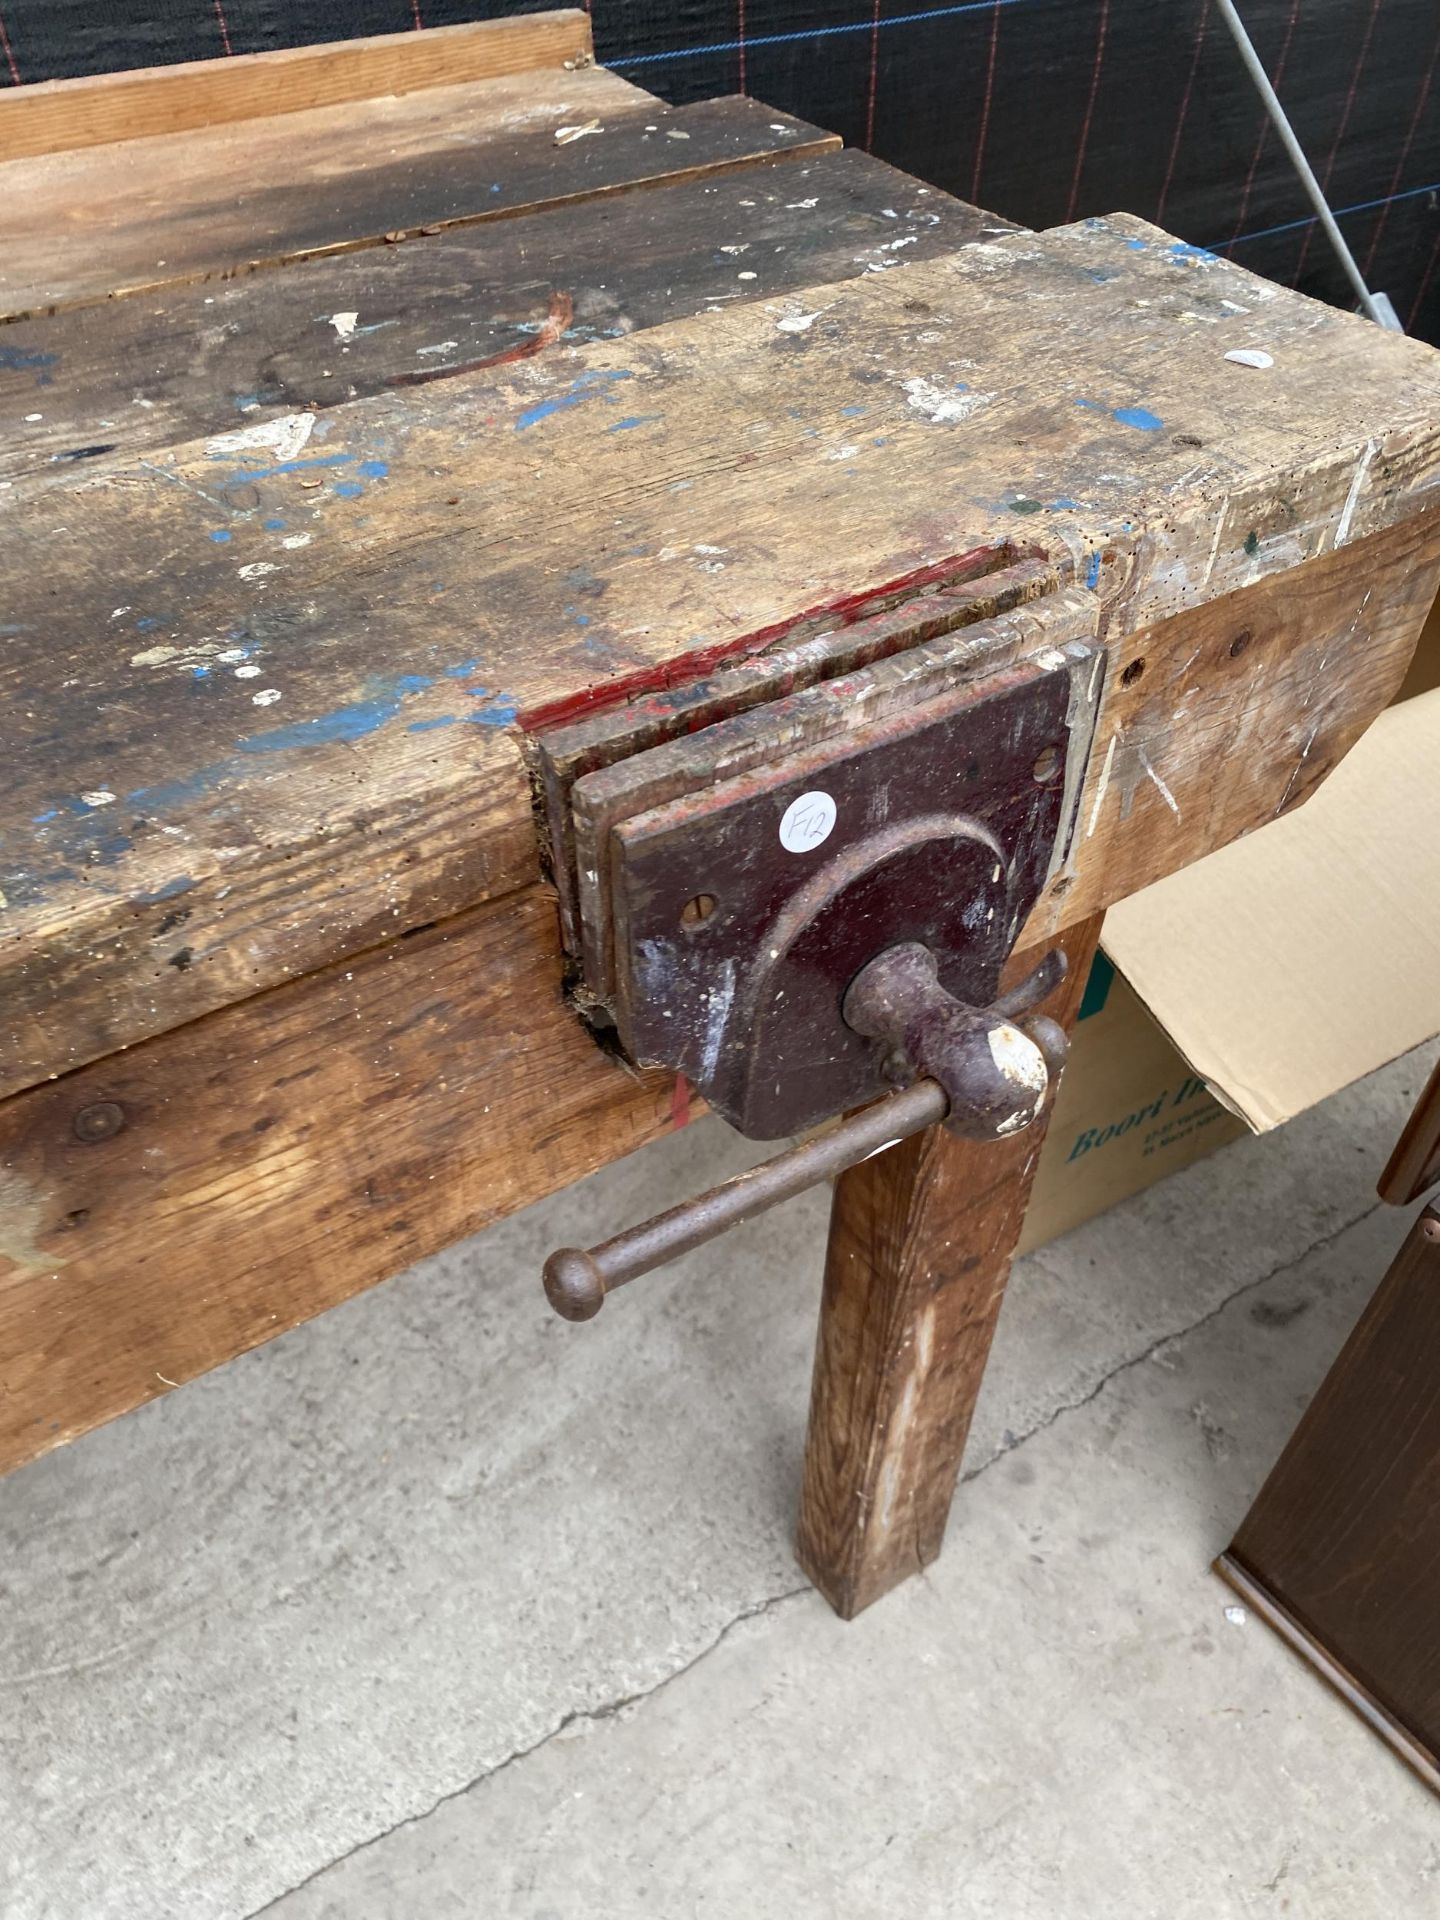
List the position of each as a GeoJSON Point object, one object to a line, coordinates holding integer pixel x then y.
{"type": "Point", "coordinates": [526, 396]}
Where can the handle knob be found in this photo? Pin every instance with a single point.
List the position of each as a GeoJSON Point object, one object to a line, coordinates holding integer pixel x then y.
{"type": "Point", "coordinates": [985, 1078]}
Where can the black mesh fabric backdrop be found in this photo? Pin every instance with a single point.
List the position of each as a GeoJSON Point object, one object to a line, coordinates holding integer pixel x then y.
{"type": "Point", "coordinates": [1041, 109]}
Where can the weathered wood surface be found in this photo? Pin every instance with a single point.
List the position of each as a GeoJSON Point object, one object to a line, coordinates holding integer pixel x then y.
{"type": "Point", "coordinates": [407, 574]}
{"type": "Point", "coordinates": [1341, 1540]}
{"type": "Point", "coordinates": [109, 220]}
{"type": "Point", "coordinates": [87, 112]}
{"type": "Point", "coordinates": [920, 1245]}
{"type": "Point", "coordinates": [107, 382]}
{"type": "Point", "coordinates": [279, 1157]}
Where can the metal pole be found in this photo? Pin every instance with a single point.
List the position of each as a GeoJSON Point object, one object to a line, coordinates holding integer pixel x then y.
{"type": "Point", "coordinates": [577, 1280]}
{"type": "Point", "coordinates": [1378, 308]}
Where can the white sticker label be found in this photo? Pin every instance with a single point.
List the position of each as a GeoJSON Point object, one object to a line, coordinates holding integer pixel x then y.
{"type": "Point", "coordinates": [807, 822]}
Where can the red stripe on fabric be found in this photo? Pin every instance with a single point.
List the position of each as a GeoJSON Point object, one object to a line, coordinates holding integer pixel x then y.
{"type": "Point", "coordinates": [420, 24]}
{"type": "Point", "coordinates": [874, 79]}
{"type": "Point", "coordinates": [1184, 114]}
{"type": "Point", "coordinates": [6, 49]}
{"type": "Point", "coordinates": [1424, 287]}
{"type": "Point", "coordinates": [740, 36]}
{"type": "Point", "coordinates": [1089, 110]}
{"type": "Point", "coordinates": [985, 103]}
{"type": "Point", "coordinates": [1420, 103]}
{"type": "Point", "coordinates": [1264, 134]}
{"type": "Point", "coordinates": [1344, 123]}
{"type": "Point", "coordinates": [224, 29]}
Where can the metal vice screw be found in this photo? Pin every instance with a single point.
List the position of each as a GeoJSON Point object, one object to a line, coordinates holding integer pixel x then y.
{"type": "Point", "coordinates": [982, 1074]}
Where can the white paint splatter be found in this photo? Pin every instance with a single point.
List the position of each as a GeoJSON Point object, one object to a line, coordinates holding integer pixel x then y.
{"type": "Point", "coordinates": [257, 569]}
{"type": "Point", "coordinates": [1160, 787]}
{"type": "Point", "coordinates": [247, 673]}
{"type": "Point", "coordinates": [297, 540]}
{"type": "Point", "coordinates": [1100, 790]}
{"type": "Point", "coordinates": [1236, 1616]}
{"type": "Point", "coordinates": [98, 797]}
{"type": "Point", "coordinates": [232, 654]}
{"type": "Point", "coordinates": [803, 206]}
{"type": "Point", "coordinates": [266, 697]}
{"type": "Point", "coordinates": [440, 346]}
{"type": "Point", "coordinates": [798, 322]}
{"type": "Point", "coordinates": [564, 135]}
{"type": "Point", "coordinates": [1017, 1057]}
{"type": "Point", "coordinates": [1251, 357]}
{"type": "Point", "coordinates": [941, 406]}
{"type": "Point", "coordinates": [345, 324]}
{"type": "Point", "coordinates": [747, 276]}
{"type": "Point", "coordinates": [1347, 512]}
{"type": "Point", "coordinates": [722, 995]}
{"type": "Point", "coordinates": [284, 436]}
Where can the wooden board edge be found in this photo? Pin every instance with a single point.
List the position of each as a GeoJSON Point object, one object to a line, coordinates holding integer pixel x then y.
{"type": "Point", "coordinates": [1269, 1608]}
{"type": "Point", "coordinates": [54, 116]}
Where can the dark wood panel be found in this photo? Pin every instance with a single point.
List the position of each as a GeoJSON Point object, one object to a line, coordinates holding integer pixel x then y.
{"type": "Point", "coordinates": [1345, 1534]}
{"type": "Point", "coordinates": [480, 162]}
{"type": "Point", "coordinates": [103, 383]}
{"type": "Point", "coordinates": [1414, 1167]}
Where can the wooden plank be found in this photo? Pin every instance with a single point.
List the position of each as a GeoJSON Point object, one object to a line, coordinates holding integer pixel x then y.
{"type": "Point", "coordinates": [1414, 1167]}
{"type": "Point", "coordinates": [920, 1246]}
{"type": "Point", "coordinates": [541, 539]}
{"type": "Point", "coordinates": [281, 1156]}
{"type": "Point", "coordinates": [97, 109]}
{"type": "Point", "coordinates": [1342, 1536]}
{"type": "Point", "coordinates": [108, 382]}
{"type": "Point", "coordinates": [85, 226]}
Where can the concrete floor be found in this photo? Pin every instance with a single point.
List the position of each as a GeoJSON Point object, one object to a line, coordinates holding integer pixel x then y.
{"type": "Point", "coordinates": [440, 1607]}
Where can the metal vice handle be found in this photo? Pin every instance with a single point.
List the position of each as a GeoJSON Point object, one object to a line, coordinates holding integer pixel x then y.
{"type": "Point", "coordinates": [985, 1078]}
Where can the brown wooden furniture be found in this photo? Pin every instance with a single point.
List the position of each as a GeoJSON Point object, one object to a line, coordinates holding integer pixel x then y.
{"type": "Point", "coordinates": [355, 444]}
{"type": "Point", "coordinates": [1340, 1552]}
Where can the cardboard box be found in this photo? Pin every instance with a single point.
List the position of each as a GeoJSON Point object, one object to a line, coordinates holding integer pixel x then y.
{"type": "Point", "coordinates": [1255, 983]}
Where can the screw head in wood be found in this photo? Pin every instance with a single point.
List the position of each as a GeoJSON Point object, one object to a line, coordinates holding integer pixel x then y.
{"type": "Point", "coordinates": [102, 1120]}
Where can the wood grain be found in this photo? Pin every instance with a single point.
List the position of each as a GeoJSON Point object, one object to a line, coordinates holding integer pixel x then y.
{"type": "Point", "coordinates": [920, 1246]}
{"type": "Point", "coordinates": [88, 225]}
{"type": "Point", "coordinates": [277, 1158]}
{"type": "Point", "coordinates": [1342, 1536]}
{"type": "Point", "coordinates": [1414, 1167]}
{"type": "Point", "coordinates": [96, 109]}
{"type": "Point", "coordinates": [228, 353]}
{"type": "Point", "coordinates": [580, 526]}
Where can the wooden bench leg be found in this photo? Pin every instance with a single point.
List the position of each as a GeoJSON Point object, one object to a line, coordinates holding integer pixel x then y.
{"type": "Point", "coordinates": [920, 1245]}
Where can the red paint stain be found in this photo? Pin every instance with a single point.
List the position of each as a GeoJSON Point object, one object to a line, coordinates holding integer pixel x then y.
{"type": "Point", "coordinates": [655, 677]}
{"type": "Point", "coordinates": [680, 1102]}
{"type": "Point", "coordinates": [562, 312]}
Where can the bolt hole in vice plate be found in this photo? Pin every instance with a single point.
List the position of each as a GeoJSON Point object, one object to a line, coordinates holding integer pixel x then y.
{"type": "Point", "coordinates": [935, 824]}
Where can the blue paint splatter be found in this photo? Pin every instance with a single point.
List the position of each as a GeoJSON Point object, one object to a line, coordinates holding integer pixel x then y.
{"type": "Point", "coordinates": [577, 392]}
{"type": "Point", "coordinates": [199, 673]}
{"type": "Point", "coordinates": [429, 726]}
{"type": "Point", "coordinates": [220, 535]}
{"type": "Point", "coordinates": [373, 469]}
{"type": "Point", "coordinates": [249, 474]}
{"type": "Point", "coordinates": [498, 713]}
{"type": "Point", "coordinates": [413, 682]}
{"type": "Point", "coordinates": [1093, 572]}
{"type": "Point", "coordinates": [351, 722]}
{"type": "Point", "coordinates": [851, 413]}
{"type": "Point", "coordinates": [1062, 503]}
{"type": "Point", "coordinates": [50, 813]}
{"type": "Point", "coordinates": [1135, 246]}
{"type": "Point", "coordinates": [634, 420]}
{"type": "Point", "coordinates": [1140, 417]}
{"type": "Point", "coordinates": [274, 526]}
{"type": "Point", "coordinates": [348, 489]}
{"type": "Point", "coordinates": [22, 359]}
{"type": "Point", "coordinates": [1182, 250]}
{"type": "Point", "coordinates": [181, 884]}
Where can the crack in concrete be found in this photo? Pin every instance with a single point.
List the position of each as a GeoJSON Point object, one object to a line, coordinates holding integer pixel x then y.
{"type": "Point", "coordinates": [577, 1716]}
{"type": "Point", "coordinates": [1015, 1441]}
{"type": "Point", "coordinates": [610, 1709]}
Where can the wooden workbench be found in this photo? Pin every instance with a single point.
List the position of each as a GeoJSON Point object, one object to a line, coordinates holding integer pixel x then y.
{"type": "Point", "coordinates": [351, 441]}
